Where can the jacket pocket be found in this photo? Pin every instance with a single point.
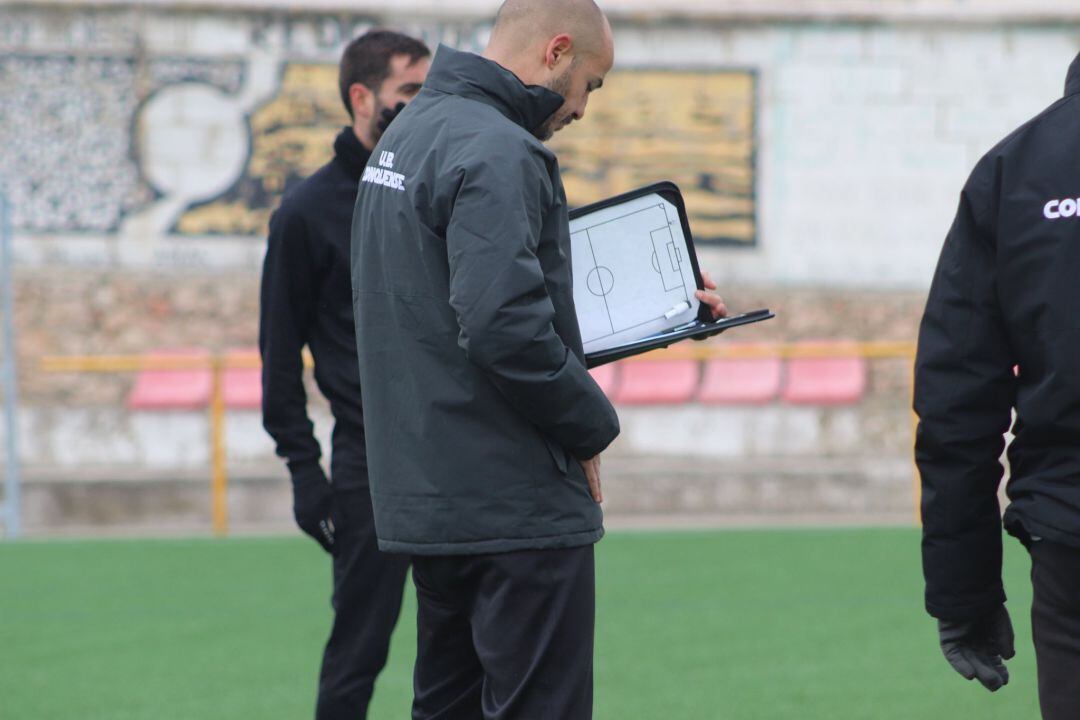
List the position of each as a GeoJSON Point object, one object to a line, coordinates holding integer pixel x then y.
{"type": "Point", "coordinates": [557, 454]}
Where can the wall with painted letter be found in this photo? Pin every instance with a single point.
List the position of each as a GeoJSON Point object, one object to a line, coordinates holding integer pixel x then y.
{"type": "Point", "coordinates": [826, 149]}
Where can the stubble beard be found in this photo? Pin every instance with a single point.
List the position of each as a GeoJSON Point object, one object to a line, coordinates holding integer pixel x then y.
{"type": "Point", "coordinates": [376, 132]}
{"type": "Point", "coordinates": [560, 118]}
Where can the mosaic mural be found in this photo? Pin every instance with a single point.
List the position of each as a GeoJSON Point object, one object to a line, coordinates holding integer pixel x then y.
{"type": "Point", "coordinates": [695, 128]}
{"type": "Point", "coordinates": [68, 159]}
{"type": "Point", "coordinates": [100, 128]}
{"type": "Point", "coordinates": [291, 137]}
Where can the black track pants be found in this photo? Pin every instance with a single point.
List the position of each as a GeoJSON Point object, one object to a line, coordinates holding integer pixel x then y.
{"type": "Point", "coordinates": [368, 586]}
{"type": "Point", "coordinates": [1055, 624]}
{"type": "Point", "coordinates": [505, 637]}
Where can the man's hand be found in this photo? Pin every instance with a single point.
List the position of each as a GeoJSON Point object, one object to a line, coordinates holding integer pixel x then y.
{"type": "Point", "coordinates": [313, 507]}
{"type": "Point", "coordinates": [592, 474]}
{"type": "Point", "coordinates": [710, 298]}
{"type": "Point", "coordinates": [977, 649]}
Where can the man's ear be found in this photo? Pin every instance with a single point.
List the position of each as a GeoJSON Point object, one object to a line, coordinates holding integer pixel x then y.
{"type": "Point", "coordinates": [558, 50]}
{"type": "Point", "coordinates": [362, 100]}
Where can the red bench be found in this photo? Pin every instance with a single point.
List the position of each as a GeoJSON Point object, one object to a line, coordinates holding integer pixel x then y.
{"type": "Point", "coordinates": [839, 380]}
{"type": "Point", "coordinates": [172, 389]}
{"type": "Point", "coordinates": [834, 380]}
{"type": "Point", "coordinates": [658, 382]}
{"type": "Point", "coordinates": [750, 381]}
{"type": "Point", "coordinates": [241, 388]}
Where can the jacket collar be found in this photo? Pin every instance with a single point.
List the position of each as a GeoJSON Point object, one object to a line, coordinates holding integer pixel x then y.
{"type": "Point", "coordinates": [349, 151]}
{"type": "Point", "coordinates": [1072, 81]}
{"type": "Point", "coordinates": [477, 78]}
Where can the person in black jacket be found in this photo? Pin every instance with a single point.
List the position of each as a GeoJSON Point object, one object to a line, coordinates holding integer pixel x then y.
{"type": "Point", "coordinates": [1001, 334]}
{"type": "Point", "coordinates": [306, 299]}
{"type": "Point", "coordinates": [484, 426]}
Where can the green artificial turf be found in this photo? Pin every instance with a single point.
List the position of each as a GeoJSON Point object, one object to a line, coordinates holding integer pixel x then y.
{"type": "Point", "coordinates": [733, 625]}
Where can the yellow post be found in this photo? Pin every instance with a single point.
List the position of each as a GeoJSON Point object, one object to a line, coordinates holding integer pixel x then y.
{"type": "Point", "coordinates": [916, 478]}
{"type": "Point", "coordinates": [219, 482]}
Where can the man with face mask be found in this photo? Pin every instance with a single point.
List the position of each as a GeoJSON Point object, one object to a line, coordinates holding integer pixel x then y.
{"type": "Point", "coordinates": [484, 427]}
{"type": "Point", "coordinates": [307, 300]}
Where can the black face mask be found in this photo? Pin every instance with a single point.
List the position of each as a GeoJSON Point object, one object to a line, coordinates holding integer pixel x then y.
{"type": "Point", "coordinates": [386, 117]}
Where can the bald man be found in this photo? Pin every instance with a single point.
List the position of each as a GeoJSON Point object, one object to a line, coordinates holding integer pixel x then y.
{"type": "Point", "coordinates": [484, 429]}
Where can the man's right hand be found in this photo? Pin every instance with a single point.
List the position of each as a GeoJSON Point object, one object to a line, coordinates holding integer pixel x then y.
{"type": "Point", "coordinates": [313, 508]}
{"type": "Point", "coordinates": [978, 648]}
{"type": "Point", "coordinates": [592, 474]}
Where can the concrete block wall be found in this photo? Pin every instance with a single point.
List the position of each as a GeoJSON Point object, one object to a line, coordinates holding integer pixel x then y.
{"type": "Point", "coordinates": [672, 465]}
{"type": "Point", "coordinates": [113, 440]}
{"type": "Point", "coordinates": [867, 134]}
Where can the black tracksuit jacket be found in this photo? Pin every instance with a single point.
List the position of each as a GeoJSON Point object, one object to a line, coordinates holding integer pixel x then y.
{"type": "Point", "coordinates": [1001, 333]}
{"type": "Point", "coordinates": [306, 299]}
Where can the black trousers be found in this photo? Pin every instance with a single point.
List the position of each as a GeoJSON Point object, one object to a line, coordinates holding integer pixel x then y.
{"type": "Point", "coordinates": [1055, 625]}
{"type": "Point", "coordinates": [368, 586]}
{"type": "Point", "coordinates": [506, 636]}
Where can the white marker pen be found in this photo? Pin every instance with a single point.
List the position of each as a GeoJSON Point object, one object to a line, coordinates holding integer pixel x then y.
{"type": "Point", "coordinates": [677, 310]}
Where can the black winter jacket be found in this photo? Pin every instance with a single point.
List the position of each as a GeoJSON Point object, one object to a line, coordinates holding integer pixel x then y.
{"type": "Point", "coordinates": [306, 299]}
{"type": "Point", "coordinates": [1001, 333]}
{"type": "Point", "coordinates": [476, 397]}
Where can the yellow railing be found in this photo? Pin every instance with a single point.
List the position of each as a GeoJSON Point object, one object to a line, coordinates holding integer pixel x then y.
{"type": "Point", "coordinates": [218, 364]}
{"type": "Point", "coordinates": [872, 350]}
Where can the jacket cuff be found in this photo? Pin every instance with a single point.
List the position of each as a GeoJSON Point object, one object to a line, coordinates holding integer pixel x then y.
{"type": "Point", "coordinates": [307, 473]}
{"type": "Point", "coordinates": [600, 443]}
{"type": "Point", "coordinates": [968, 611]}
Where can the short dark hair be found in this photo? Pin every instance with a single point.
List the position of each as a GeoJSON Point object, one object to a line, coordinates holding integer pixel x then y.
{"type": "Point", "coordinates": [366, 60]}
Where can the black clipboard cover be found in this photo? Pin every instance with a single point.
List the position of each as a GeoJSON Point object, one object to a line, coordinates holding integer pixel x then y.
{"type": "Point", "coordinates": [703, 326]}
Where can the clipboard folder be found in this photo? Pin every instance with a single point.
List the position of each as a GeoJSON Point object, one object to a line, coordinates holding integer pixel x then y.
{"type": "Point", "coordinates": [635, 273]}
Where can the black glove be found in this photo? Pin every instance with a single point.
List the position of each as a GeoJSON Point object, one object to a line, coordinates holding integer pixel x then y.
{"type": "Point", "coordinates": [313, 507]}
{"type": "Point", "coordinates": [978, 648]}
{"type": "Point", "coordinates": [388, 116]}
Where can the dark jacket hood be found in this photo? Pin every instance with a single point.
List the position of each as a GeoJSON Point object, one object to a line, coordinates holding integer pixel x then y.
{"type": "Point", "coordinates": [1072, 80]}
{"type": "Point", "coordinates": [477, 78]}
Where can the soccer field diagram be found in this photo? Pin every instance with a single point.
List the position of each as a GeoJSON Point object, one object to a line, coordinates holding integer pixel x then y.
{"type": "Point", "coordinates": [631, 270]}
